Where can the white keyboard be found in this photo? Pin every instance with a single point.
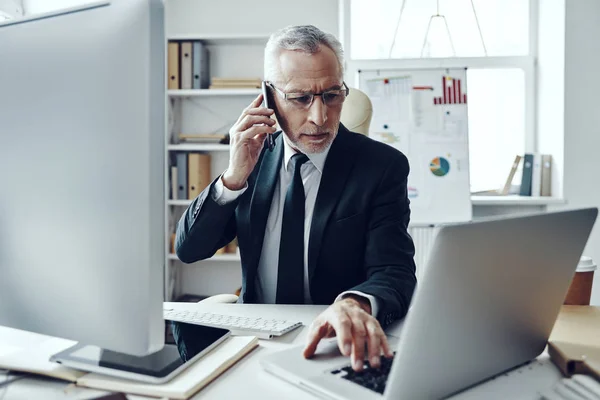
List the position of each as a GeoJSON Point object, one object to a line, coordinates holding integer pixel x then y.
{"type": "Point", "coordinates": [242, 326]}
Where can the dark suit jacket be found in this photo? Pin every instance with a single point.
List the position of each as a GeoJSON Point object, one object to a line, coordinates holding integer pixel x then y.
{"type": "Point", "coordinates": [358, 236]}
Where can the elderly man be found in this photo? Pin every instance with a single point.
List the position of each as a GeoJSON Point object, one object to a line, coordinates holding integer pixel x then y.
{"type": "Point", "coordinates": [320, 219]}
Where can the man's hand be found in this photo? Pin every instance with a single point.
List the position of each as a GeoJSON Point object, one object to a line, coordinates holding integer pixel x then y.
{"type": "Point", "coordinates": [350, 319]}
{"type": "Point", "coordinates": [246, 142]}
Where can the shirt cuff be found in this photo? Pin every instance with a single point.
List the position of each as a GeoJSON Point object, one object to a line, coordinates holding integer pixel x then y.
{"type": "Point", "coordinates": [372, 300]}
{"type": "Point", "coordinates": [221, 195]}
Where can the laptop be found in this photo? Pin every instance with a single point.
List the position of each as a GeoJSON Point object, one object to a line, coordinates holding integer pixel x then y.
{"type": "Point", "coordinates": [486, 303]}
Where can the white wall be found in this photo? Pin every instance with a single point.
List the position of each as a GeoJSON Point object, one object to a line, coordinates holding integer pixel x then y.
{"type": "Point", "coordinates": [14, 8]}
{"type": "Point", "coordinates": [582, 115]}
{"type": "Point", "coordinates": [551, 87]}
{"type": "Point", "coordinates": [258, 17]}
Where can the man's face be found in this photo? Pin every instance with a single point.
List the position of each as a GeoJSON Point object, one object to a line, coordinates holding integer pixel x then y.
{"type": "Point", "coordinates": [310, 130]}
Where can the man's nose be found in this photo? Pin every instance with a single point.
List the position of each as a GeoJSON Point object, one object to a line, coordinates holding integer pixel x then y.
{"type": "Point", "coordinates": [317, 113]}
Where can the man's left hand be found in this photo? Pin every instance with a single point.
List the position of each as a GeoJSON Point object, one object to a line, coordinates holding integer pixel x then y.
{"type": "Point", "coordinates": [351, 321]}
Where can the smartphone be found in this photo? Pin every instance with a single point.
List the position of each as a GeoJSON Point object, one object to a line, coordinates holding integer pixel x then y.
{"type": "Point", "coordinates": [191, 343]}
{"type": "Point", "coordinates": [270, 141]}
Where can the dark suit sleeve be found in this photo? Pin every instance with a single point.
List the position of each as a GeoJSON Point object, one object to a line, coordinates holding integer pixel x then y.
{"type": "Point", "coordinates": [389, 253]}
{"type": "Point", "coordinates": [205, 227]}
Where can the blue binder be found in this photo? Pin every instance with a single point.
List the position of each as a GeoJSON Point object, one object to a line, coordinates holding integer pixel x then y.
{"type": "Point", "coordinates": [182, 186]}
{"type": "Point", "coordinates": [201, 79]}
{"type": "Point", "coordinates": [526, 180]}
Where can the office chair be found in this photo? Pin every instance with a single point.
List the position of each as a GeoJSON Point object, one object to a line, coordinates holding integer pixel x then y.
{"type": "Point", "coordinates": [356, 117]}
{"type": "Point", "coordinates": [357, 112]}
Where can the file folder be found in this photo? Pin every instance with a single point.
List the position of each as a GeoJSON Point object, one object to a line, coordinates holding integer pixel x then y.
{"type": "Point", "coordinates": [186, 65]}
{"type": "Point", "coordinates": [174, 185]}
{"type": "Point", "coordinates": [198, 173]}
{"type": "Point", "coordinates": [527, 175]}
{"type": "Point", "coordinates": [200, 66]}
{"type": "Point", "coordinates": [173, 65]}
{"type": "Point", "coordinates": [182, 176]}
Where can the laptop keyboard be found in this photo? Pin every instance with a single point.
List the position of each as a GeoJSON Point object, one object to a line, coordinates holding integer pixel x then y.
{"type": "Point", "coordinates": [371, 378]}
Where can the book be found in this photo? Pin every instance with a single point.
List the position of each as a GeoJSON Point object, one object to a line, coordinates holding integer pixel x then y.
{"type": "Point", "coordinates": [235, 86]}
{"type": "Point", "coordinates": [546, 175]}
{"type": "Point", "coordinates": [511, 175]}
{"type": "Point", "coordinates": [216, 79]}
{"type": "Point", "coordinates": [200, 138]}
{"type": "Point", "coordinates": [527, 175]}
{"type": "Point", "coordinates": [173, 65]}
{"type": "Point", "coordinates": [536, 175]}
{"type": "Point", "coordinates": [235, 83]}
{"type": "Point", "coordinates": [29, 352]}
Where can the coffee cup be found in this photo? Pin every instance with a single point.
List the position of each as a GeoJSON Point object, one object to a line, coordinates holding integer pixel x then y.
{"type": "Point", "coordinates": [580, 290]}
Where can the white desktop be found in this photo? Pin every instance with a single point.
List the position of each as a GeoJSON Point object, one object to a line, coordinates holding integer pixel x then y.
{"type": "Point", "coordinates": [82, 153]}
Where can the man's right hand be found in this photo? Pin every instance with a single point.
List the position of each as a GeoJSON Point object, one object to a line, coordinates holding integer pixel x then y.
{"type": "Point", "coordinates": [247, 138]}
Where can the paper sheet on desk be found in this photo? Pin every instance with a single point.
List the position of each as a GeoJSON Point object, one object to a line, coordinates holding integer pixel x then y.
{"type": "Point", "coordinates": [29, 352]}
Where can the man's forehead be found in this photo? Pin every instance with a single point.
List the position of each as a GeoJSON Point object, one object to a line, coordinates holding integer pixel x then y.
{"type": "Point", "coordinates": [302, 71]}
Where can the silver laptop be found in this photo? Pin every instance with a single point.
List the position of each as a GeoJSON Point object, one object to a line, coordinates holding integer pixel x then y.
{"type": "Point", "coordinates": [487, 302]}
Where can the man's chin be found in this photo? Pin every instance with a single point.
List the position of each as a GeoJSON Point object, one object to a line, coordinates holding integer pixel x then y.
{"type": "Point", "coordinates": [310, 145]}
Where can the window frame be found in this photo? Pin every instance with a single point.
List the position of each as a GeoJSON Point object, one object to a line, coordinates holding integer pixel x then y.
{"type": "Point", "coordinates": [527, 63]}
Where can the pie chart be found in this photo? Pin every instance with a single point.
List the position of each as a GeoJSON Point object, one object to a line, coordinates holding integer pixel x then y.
{"type": "Point", "coordinates": [439, 166]}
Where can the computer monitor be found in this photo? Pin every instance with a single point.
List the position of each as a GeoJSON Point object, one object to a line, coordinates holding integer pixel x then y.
{"type": "Point", "coordinates": [82, 188]}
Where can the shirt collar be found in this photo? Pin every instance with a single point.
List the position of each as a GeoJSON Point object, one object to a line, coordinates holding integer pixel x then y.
{"type": "Point", "coordinates": [317, 159]}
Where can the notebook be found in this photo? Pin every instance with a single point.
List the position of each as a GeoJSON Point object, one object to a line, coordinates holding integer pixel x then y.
{"type": "Point", "coordinates": [29, 352]}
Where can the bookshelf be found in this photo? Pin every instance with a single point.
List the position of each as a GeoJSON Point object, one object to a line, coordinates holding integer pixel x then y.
{"type": "Point", "coordinates": [207, 111]}
{"type": "Point", "coordinates": [212, 92]}
{"type": "Point", "coordinates": [198, 147]}
{"type": "Point", "coordinates": [223, 39]}
{"type": "Point", "coordinates": [217, 257]}
{"type": "Point", "coordinates": [515, 200]}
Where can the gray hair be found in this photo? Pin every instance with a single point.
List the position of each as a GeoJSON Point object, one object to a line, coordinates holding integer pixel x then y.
{"type": "Point", "coordinates": [306, 38]}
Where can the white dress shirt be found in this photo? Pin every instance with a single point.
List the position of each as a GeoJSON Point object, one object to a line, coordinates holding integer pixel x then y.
{"type": "Point", "coordinates": [311, 172]}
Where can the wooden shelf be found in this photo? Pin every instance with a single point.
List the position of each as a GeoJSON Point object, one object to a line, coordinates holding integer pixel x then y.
{"type": "Point", "coordinates": [514, 200]}
{"type": "Point", "coordinates": [218, 257]}
{"type": "Point", "coordinates": [212, 92]}
{"type": "Point", "coordinates": [223, 39]}
{"type": "Point", "coordinates": [198, 147]}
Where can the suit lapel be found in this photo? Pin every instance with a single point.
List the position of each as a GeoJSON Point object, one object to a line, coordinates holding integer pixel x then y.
{"type": "Point", "coordinates": [263, 195]}
{"type": "Point", "coordinates": [338, 166]}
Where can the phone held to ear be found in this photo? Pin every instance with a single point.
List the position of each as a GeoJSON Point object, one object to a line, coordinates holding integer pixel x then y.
{"type": "Point", "coordinates": [270, 140]}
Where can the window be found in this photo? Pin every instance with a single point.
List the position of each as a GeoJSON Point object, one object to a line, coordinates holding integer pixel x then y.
{"type": "Point", "coordinates": [398, 29]}
{"type": "Point", "coordinates": [494, 39]}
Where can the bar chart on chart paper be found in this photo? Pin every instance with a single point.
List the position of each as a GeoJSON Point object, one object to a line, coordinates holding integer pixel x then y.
{"type": "Point", "coordinates": [423, 113]}
{"type": "Point", "coordinates": [452, 92]}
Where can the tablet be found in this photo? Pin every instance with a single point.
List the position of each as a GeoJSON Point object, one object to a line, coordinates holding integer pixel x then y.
{"type": "Point", "coordinates": [191, 343]}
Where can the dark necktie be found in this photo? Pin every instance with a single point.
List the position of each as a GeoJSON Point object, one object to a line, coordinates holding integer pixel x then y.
{"type": "Point", "coordinates": [290, 275]}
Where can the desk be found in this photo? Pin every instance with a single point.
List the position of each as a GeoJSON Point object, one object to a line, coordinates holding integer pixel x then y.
{"type": "Point", "coordinates": [247, 380]}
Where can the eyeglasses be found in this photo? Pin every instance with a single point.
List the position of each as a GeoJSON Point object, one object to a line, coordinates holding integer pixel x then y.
{"type": "Point", "coordinates": [331, 98]}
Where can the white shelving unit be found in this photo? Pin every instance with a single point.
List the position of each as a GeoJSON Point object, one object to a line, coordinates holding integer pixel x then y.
{"type": "Point", "coordinates": [515, 200]}
{"type": "Point", "coordinates": [208, 111]}
{"type": "Point", "coordinates": [212, 92]}
{"type": "Point", "coordinates": [198, 147]}
{"type": "Point", "coordinates": [223, 39]}
{"type": "Point", "coordinates": [217, 257]}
